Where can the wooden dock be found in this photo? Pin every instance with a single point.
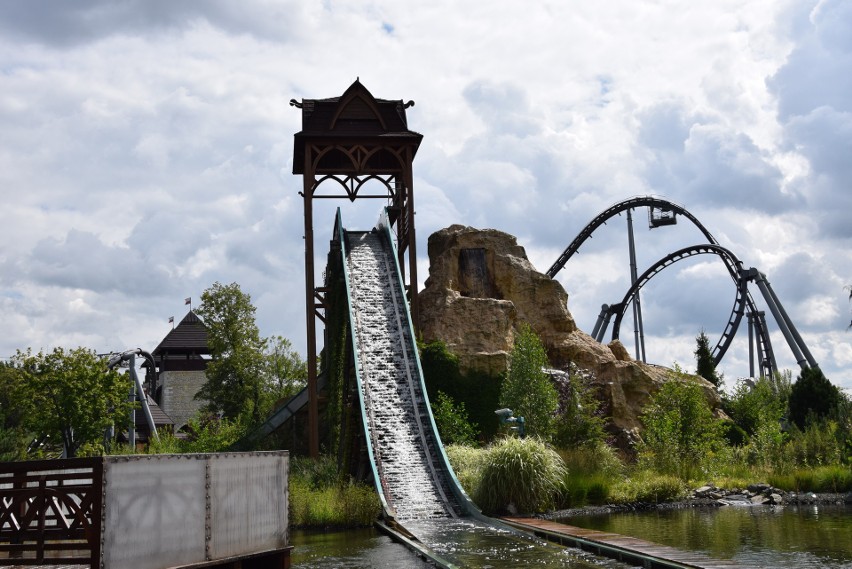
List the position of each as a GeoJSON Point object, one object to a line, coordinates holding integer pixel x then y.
{"type": "Point", "coordinates": [615, 546]}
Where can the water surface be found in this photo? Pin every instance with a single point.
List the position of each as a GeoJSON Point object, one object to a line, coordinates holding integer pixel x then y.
{"type": "Point", "coordinates": [766, 536]}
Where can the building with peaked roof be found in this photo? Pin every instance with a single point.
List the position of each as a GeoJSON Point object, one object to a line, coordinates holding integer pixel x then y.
{"type": "Point", "coordinates": [181, 360]}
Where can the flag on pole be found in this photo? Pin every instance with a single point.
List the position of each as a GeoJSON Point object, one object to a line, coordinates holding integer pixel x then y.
{"type": "Point", "coordinates": [188, 300]}
{"type": "Point", "coordinates": [171, 319]}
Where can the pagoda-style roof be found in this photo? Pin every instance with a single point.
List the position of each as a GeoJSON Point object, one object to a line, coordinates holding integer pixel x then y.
{"type": "Point", "coordinates": [355, 115]}
{"type": "Point", "coordinates": [188, 337]}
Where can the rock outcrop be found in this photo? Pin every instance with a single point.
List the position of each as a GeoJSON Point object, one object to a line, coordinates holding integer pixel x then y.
{"type": "Point", "coordinates": [482, 288]}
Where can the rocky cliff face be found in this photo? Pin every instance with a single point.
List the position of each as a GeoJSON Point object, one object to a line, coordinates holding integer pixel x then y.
{"type": "Point", "coordinates": [482, 288]}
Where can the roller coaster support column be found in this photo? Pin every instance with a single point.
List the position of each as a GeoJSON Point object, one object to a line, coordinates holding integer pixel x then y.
{"type": "Point", "coordinates": [603, 320]}
{"type": "Point", "coordinates": [794, 340]}
{"type": "Point", "coordinates": [750, 344]}
{"type": "Point", "coordinates": [638, 332]}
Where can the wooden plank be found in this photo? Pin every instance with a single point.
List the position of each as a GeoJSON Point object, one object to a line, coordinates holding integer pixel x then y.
{"type": "Point", "coordinates": [622, 547]}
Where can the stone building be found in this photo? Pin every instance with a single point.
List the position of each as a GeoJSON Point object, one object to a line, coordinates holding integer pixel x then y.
{"type": "Point", "coordinates": [181, 360]}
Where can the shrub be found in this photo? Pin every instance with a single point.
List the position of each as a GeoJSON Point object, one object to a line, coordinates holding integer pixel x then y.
{"type": "Point", "coordinates": [452, 421]}
{"type": "Point", "coordinates": [319, 499]}
{"type": "Point", "coordinates": [478, 392]}
{"type": "Point", "coordinates": [681, 435]}
{"type": "Point", "coordinates": [579, 421]}
{"type": "Point", "coordinates": [525, 473]}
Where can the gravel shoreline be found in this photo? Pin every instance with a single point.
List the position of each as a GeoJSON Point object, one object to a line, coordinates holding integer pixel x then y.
{"type": "Point", "coordinates": [712, 497]}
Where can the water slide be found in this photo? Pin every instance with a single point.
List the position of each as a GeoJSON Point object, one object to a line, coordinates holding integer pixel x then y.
{"type": "Point", "coordinates": [423, 503]}
{"type": "Point", "coordinates": [409, 465]}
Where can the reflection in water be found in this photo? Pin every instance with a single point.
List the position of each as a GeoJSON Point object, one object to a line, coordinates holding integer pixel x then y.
{"type": "Point", "coordinates": [468, 543]}
{"type": "Point", "coordinates": [464, 543]}
{"type": "Point", "coordinates": [350, 549]}
{"type": "Point", "coordinates": [795, 536]}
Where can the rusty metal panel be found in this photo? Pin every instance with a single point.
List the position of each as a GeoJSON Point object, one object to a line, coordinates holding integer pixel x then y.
{"type": "Point", "coordinates": [248, 503]}
{"type": "Point", "coordinates": [154, 511]}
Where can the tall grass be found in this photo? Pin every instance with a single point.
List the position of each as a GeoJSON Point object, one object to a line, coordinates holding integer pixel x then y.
{"type": "Point", "coordinates": [524, 473]}
{"type": "Point", "coordinates": [589, 475]}
{"type": "Point", "coordinates": [320, 498]}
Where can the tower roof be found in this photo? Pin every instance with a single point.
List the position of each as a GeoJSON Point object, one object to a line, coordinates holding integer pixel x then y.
{"type": "Point", "coordinates": [190, 336]}
{"type": "Point", "coordinates": [356, 115]}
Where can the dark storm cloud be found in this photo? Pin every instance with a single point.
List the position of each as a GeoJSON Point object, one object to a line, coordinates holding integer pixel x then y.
{"type": "Point", "coordinates": [61, 23]}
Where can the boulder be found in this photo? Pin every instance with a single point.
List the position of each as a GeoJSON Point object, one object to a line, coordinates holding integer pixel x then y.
{"type": "Point", "coordinates": [482, 288]}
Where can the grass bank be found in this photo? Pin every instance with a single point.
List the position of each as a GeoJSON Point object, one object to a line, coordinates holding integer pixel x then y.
{"type": "Point", "coordinates": [320, 498]}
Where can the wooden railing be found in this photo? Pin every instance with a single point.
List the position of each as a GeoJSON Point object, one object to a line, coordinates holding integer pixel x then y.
{"type": "Point", "coordinates": [51, 511]}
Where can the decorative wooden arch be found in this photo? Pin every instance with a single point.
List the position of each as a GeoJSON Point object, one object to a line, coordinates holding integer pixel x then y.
{"type": "Point", "coordinates": [352, 140]}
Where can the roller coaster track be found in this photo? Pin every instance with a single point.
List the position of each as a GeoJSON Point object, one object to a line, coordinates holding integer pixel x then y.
{"type": "Point", "coordinates": [744, 301]}
{"type": "Point", "coordinates": [612, 211]}
{"type": "Point", "coordinates": [743, 298]}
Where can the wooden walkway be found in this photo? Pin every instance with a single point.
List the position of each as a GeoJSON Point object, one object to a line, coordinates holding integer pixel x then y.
{"type": "Point", "coordinates": [623, 548]}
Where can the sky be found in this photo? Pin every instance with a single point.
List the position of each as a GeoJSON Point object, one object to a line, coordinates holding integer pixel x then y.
{"type": "Point", "coordinates": [146, 153]}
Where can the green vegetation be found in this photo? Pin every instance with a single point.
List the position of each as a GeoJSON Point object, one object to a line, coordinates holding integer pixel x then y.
{"type": "Point", "coordinates": [478, 393]}
{"type": "Point", "coordinates": [681, 436]}
{"type": "Point", "coordinates": [452, 421]}
{"type": "Point", "coordinates": [812, 398]}
{"type": "Point", "coordinates": [527, 389]}
{"type": "Point", "coordinates": [65, 399]}
{"type": "Point", "coordinates": [580, 421]}
{"type": "Point", "coordinates": [319, 498]}
{"type": "Point", "coordinates": [234, 375]}
{"type": "Point", "coordinates": [525, 474]}
{"type": "Point", "coordinates": [705, 366]}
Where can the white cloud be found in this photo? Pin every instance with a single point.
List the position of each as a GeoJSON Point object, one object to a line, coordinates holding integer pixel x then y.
{"type": "Point", "coordinates": [147, 146]}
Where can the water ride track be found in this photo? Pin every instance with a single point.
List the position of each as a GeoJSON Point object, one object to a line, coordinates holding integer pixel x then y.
{"type": "Point", "coordinates": [409, 465]}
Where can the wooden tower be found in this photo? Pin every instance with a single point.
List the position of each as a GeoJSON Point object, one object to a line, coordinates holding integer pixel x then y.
{"type": "Point", "coordinates": [346, 142]}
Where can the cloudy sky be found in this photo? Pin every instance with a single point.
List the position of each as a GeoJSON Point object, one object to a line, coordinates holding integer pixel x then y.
{"type": "Point", "coordinates": [146, 152]}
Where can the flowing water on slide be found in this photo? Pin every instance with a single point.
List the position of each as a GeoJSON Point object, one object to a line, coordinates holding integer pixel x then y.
{"type": "Point", "coordinates": [406, 451]}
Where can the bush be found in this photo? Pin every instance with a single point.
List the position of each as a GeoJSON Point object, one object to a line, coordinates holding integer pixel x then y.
{"type": "Point", "coordinates": [681, 435]}
{"type": "Point", "coordinates": [452, 421]}
{"type": "Point", "coordinates": [580, 421]}
{"type": "Point", "coordinates": [524, 473]}
{"type": "Point", "coordinates": [478, 392]}
{"type": "Point", "coordinates": [817, 445]}
{"type": "Point", "coordinates": [590, 474]}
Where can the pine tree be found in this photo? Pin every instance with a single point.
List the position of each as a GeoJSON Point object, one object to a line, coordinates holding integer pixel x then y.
{"type": "Point", "coordinates": [706, 367]}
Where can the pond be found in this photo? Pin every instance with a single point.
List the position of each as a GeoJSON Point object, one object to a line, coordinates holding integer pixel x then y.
{"type": "Point", "coordinates": [804, 536]}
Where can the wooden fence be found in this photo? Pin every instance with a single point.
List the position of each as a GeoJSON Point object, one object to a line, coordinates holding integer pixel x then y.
{"type": "Point", "coordinates": [50, 512]}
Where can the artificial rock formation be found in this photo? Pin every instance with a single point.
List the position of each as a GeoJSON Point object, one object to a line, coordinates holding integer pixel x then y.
{"type": "Point", "coordinates": [482, 288]}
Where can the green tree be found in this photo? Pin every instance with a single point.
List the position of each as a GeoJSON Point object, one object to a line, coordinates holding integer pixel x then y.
{"type": "Point", "coordinates": [235, 374]}
{"type": "Point", "coordinates": [706, 367]}
{"type": "Point", "coordinates": [70, 396]}
{"type": "Point", "coordinates": [755, 402]}
{"type": "Point", "coordinates": [527, 389]}
{"type": "Point", "coordinates": [452, 421]}
{"type": "Point", "coordinates": [285, 372]}
{"type": "Point", "coordinates": [13, 435]}
{"type": "Point", "coordinates": [681, 435]}
{"type": "Point", "coordinates": [812, 397]}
